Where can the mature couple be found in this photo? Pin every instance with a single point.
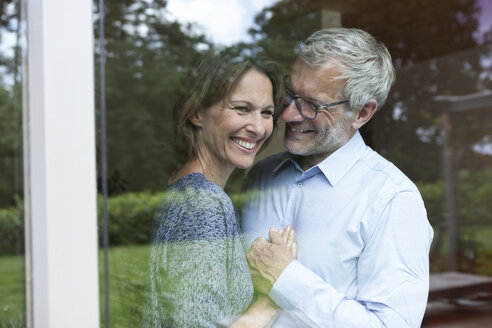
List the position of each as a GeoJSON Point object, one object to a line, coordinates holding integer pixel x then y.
{"type": "Point", "coordinates": [337, 235]}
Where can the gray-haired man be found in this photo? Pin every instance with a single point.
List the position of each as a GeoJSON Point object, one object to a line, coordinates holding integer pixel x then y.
{"type": "Point", "coordinates": [361, 227]}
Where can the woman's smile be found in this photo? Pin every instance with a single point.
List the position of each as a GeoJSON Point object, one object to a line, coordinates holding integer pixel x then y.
{"type": "Point", "coordinates": [248, 145]}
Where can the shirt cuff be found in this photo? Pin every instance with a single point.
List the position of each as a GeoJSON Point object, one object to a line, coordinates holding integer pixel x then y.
{"type": "Point", "coordinates": [293, 284]}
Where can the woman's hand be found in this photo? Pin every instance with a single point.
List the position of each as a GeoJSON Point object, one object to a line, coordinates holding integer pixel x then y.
{"type": "Point", "coordinates": [261, 314]}
{"type": "Point", "coordinates": [284, 238]}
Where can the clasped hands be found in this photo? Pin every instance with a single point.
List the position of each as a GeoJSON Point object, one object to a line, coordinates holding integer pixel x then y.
{"type": "Point", "coordinates": [267, 260]}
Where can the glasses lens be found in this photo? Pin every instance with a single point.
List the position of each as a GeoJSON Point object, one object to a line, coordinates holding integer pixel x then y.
{"type": "Point", "coordinates": [306, 108]}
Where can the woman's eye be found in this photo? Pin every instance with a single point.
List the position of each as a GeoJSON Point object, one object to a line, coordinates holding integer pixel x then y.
{"type": "Point", "coordinates": [241, 109]}
{"type": "Point", "coordinates": [267, 113]}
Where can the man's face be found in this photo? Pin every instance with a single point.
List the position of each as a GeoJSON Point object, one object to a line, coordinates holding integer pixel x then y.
{"type": "Point", "coordinates": [332, 128]}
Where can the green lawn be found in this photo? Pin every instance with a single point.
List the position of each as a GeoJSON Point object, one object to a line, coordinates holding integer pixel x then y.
{"type": "Point", "coordinates": [128, 269]}
{"type": "Point", "coordinates": [12, 291]}
{"type": "Point", "coordinates": [127, 266]}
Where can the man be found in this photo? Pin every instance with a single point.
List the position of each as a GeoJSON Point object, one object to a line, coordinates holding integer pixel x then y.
{"type": "Point", "coordinates": [361, 227]}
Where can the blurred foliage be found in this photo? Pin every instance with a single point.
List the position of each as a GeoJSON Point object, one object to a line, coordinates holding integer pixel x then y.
{"type": "Point", "coordinates": [475, 218]}
{"type": "Point", "coordinates": [10, 145]}
{"type": "Point", "coordinates": [11, 184]}
{"type": "Point", "coordinates": [475, 196]}
{"type": "Point", "coordinates": [433, 195]}
{"type": "Point", "coordinates": [130, 217]}
{"type": "Point", "coordinates": [6, 16]}
{"type": "Point", "coordinates": [147, 56]}
{"type": "Point", "coordinates": [12, 229]}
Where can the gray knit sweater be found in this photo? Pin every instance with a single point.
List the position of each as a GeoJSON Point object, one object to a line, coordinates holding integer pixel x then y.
{"type": "Point", "coordinates": [199, 276]}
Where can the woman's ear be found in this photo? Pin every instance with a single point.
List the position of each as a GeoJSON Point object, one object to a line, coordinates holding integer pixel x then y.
{"type": "Point", "coordinates": [196, 119]}
{"type": "Point", "coordinates": [365, 113]}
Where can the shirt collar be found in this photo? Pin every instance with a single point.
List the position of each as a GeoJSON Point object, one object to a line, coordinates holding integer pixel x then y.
{"type": "Point", "coordinates": [285, 157]}
{"type": "Point", "coordinates": [335, 166]}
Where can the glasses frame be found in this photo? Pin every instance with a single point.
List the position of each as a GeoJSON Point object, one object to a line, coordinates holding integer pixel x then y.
{"type": "Point", "coordinates": [290, 95]}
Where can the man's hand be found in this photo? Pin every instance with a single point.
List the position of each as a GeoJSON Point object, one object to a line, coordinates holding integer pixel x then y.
{"type": "Point", "coordinates": [268, 260]}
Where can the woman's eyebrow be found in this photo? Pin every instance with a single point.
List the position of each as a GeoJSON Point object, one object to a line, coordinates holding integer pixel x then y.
{"type": "Point", "coordinates": [240, 102]}
{"type": "Point", "coordinates": [249, 103]}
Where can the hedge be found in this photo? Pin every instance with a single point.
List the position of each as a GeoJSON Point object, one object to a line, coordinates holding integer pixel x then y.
{"type": "Point", "coordinates": [130, 217]}
{"type": "Point", "coordinates": [12, 230]}
{"type": "Point", "coordinates": [131, 214]}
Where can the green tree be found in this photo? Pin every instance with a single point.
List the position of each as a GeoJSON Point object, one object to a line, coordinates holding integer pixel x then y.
{"type": "Point", "coordinates": [146, 58]}
{"type": "Point", "coordinates": [11, 184]}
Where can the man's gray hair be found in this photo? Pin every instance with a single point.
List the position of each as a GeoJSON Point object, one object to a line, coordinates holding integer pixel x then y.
{"type": "Point", "coordinates": [364, 62]}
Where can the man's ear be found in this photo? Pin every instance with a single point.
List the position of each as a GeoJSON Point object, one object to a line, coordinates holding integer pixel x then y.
{"type": "Point", "coordinates": [196, 119]}
{"type": "Point", "coordinates": [365, 113]}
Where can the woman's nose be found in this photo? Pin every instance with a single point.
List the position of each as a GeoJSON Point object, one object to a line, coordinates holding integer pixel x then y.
{"type": "Point", "coordinates": [257, 124]}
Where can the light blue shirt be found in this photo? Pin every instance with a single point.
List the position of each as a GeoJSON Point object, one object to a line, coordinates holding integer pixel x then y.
{"type": "Point", "coordinates": [362, 233]}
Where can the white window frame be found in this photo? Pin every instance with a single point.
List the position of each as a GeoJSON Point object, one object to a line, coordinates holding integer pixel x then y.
{"type": "Point", "coordinates": [60, 165]}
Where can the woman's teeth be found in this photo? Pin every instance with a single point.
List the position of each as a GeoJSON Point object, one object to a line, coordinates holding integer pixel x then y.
{"type": "Point", "coordinates": [245, 144]}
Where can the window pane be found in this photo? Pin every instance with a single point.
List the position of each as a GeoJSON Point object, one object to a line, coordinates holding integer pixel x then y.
{"type": "Point", "coordinates": [435, 126]}
{"type": "Point", "coordinates": [12, 262]}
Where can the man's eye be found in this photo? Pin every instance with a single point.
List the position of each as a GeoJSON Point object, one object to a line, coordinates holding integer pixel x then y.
{"type": "Point", "coordinates": [314, 106]}
{"type": "Point", "coordinates": [307, 104]}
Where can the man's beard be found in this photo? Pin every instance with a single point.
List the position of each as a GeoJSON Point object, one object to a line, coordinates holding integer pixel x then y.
{"type": "Point", "coordinates": [323, 146]}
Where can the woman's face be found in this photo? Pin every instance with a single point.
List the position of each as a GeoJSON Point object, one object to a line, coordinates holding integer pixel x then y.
{"type": "Point", "coordinates": [232, 133]}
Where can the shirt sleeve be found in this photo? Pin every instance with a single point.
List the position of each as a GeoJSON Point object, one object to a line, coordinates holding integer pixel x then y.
{"type": "Point", "coordinates": [188, 269]}
{"type": "Point", "coordinates": [392, 276]}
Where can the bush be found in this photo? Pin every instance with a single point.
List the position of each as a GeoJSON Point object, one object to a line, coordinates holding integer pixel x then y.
{"type": "Point", "coordinates": [474, 196]}
{"type": "Point", "coordinates": [130, 217]}
{"type": "Point", "coordinates": [474, 192]}
{"type": "Point", "coordinates": [12, 230]}
{"type": "Point", "coordinates": [433, 195]}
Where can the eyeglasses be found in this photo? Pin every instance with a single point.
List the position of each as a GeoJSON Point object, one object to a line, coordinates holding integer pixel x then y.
{"type": "Point", "coordinates": [307, 108]}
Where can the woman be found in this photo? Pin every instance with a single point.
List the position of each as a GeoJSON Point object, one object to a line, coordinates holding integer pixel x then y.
{"type": "Point", "coordinates": [199, 276]}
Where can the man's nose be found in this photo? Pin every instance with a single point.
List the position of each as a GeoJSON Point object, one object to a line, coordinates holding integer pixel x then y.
{"type": "Point", "coordinates": [291, 113]}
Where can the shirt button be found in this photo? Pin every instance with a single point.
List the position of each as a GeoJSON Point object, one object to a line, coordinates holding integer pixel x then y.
{"type": "Point", "coordinates": [299, 184]}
